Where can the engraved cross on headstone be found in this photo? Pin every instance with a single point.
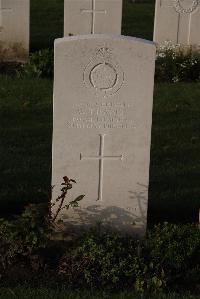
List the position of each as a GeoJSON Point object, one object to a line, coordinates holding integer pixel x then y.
{"type": "Point", "coordinates": [2, 9]}
{"type": "Point", "coordinates": [184, 13]}
{"type": "Point", "coordinates": [93, 13]}
{"type": "Point", "coordinates": [101, 157]}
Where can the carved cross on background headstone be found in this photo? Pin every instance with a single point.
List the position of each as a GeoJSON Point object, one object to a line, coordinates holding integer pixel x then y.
{"type": "Point", "coordinates": [101, 157]}
{"type": "Point", "coordinates": [93, 13]}
{"type": "Point", "coordinates": [185, 10]}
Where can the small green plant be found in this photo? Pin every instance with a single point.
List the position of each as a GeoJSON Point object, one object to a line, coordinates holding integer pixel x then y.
{"type": "Point", "coordinates": [60, 200]}
{"type": "Point", "coordinates": [101, 260]}
{"type": "Point", "coordinates": [176, 250]}
{"type": "Point", "coordinates": [167, 258]}
{"type": "Point", "coordinates": [176, 63]}
{"type": "Point", "coordinates": [111, 261]}
{"type": "Point", "coordinates": [40, 64]}
{"type": "Point", "coordinates": [26, 234]}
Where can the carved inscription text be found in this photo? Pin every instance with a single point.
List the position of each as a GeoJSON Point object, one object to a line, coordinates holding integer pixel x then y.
{"type": "Point", "coordinates": [107, 115]}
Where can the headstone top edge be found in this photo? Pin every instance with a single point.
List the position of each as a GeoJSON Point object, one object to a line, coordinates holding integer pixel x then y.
{"type": "Point", "coordinates": [103, 37]}
{"type": "Point", "coordinates": [85, 0]}
{"type": "Point", "coordinates": [6, 1]}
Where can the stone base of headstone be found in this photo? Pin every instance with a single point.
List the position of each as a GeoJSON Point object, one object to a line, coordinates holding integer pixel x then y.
{"type": "Point", "coordinates": [14, 30]}
{"type": "Point", "coordinates": [13, 52]}
{"type": "Point", "coordinates": [65, 232]}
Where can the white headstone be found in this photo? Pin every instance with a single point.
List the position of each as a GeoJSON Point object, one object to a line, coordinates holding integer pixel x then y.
{"type": "Point", "coordinates": [14, 29]}
{"type": "Point", "coordinates": [103, 95]}
{"type": "Point", "coordinates": [177, 21]}
{"type": "Point", "coordinates": [92, 16]}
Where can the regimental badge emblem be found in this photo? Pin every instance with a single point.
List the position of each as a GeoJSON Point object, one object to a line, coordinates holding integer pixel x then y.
{"type": "Point", "coordinates": [103, 74]}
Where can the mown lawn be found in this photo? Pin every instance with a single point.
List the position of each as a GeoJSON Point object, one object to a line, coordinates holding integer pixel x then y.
{"type": "Point", "coordinates": [47, 21]}
{"type": "Point", "coordinates": [26, 136]}
{"type": "Point", "coordinates": [25, 148]}
{"type": "Point", "coordinates": [27, 293]}
{"type": "Point", "coordinates": [175, 168]}
{"type": "Point", "coordinates": [138, 19]}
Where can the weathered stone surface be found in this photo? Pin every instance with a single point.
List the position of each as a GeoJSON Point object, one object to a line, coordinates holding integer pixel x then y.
{"type": "Point", "coordinates": [177, 21]}
{"type": "Point", "coordinates": [92, 16]}
{"type": "Point", "coordinates": [14, 29]}
{"type": "Point", "coordinates": [103, 95]}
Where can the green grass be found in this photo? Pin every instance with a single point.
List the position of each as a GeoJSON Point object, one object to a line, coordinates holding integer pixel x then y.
{"type": "Point", "coordinates": [47, 21]}
{"type": "Point", "coordinates": [25, 133]}
{"type": "Point", "coordinates": [26, 136]}
{"type": "Point", "coordinates": [26, 293]}
{"type": "Point", "coordinates": [175, 168]}
{"type": "Point", "coordinates": [138, 19]}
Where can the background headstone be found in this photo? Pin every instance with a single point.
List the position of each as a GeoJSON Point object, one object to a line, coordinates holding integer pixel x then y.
{"type": "Point", "coordinates": [103, 95]}
{"type": "Point", "coordinates": [92, 16]}
{"type": "Point", "coordinates": [14, 29]}
{"type": "Point", "coordinates": [177, 21]}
